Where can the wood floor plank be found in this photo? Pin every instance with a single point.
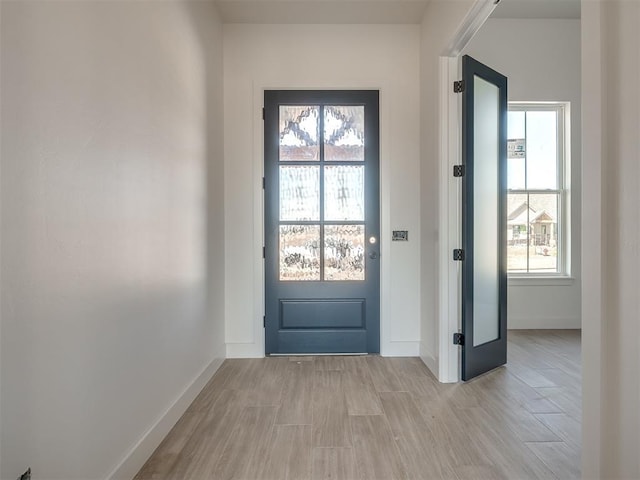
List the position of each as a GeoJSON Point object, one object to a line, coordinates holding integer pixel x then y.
{"type": "Point", "coordinates": [560, 458]}
{"type": "Point", "coordinates": [330, 419]}
{"type": "Point", "coordinates": [289, 454]}
{"type": "Point", "coordinates": [500, 447]}
{"type": "Point", "coordinates": [214, 388]}
{"type": "Point", "coordinates": [530, 376]}
{"type": "Point", "coordinates": [376, 453]}
{"type": "Point", "coordinates": [567, 428]}
{"type": "Point", "coordinates": [421, 451]}
{"type": "Point", "coordinates": [527, 354]}
{"type": "Point", "coordinates": [170, 451]}
{"type": "Point", "coordinates": [246, 448]}
{"type": "Point", "coordinates": [450, 437]}
{"type": "Point", "coordinates": [210, 438]}
{"type": "Point", "coordinates": [244, 372]}
{"type": "Point", "coordinates": [561, 379]}
{"type": "Point", "coordinates": [383, 374]}
{"type": "Point", "coordinates": [541, 405]}
{"type": "Point", "coordinates": [410, 367]}
{"type": "Point", "coordinates": [568, 400]}
{"type": "Point", "coordinates": [463, 395]}
{"type": "Point", "coordinates": [330, 362]}
{"type": "Point", "coordinates": [296, 406]}
{"type": "Point", "coordinates": [359, 390]}
{"type": "Point", "coordinates": [268, 382]}
{"type": "Point", "coordinates": [502, 380]}
{"type": "Point", "coordinates": [479, 472]}
{"type": "Point", "coordinates": [569, 365]}
{"type": "Point", "coordinates": [333, 464]}
{"type": "Point", "coordinates": [518, 420]}
{"type": "Point", "coordinates": [196, 447]}
{"type": "Point", "coordinates": [414, 376]}
{"type": "Point", "coordinates": [262, 379]}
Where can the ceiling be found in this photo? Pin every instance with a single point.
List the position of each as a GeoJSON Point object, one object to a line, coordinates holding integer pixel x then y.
{"type": "Point", "coordinates": [374, 11]}
{"type": "Point", "coordinates": [322, 11]}
{"type": "Point", "coordinates": [537, 9]}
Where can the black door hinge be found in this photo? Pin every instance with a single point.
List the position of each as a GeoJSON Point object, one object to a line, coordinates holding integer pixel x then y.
{"type": "Point", "coordinates": [263, 183]}
{"type": "Point", "coordinates": [264, 252]}
{"type": "Point", "coordinates": [458, 339]}
{"type": "Point", "coordinates": [458, 86]}
{"type": "Point", "coordinates": [264, 321]}
{"type": "Point", "coordinates": [263, 113]}
{"type": "Point", "coordinates": [458, 254]}
{"type": "Point", "coordinates": [458, 170]}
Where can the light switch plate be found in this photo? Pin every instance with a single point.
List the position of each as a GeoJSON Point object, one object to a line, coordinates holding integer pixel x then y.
{"type": "Point", "coordinates": [400, 236]}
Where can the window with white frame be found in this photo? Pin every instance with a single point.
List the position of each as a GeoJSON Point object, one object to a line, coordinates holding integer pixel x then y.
{"type": "Point", "coordinates": [536, 200]}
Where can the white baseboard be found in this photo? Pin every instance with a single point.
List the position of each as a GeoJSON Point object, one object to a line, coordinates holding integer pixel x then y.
{"type": "Point", "coordinates": [429, 359]}
{"type": "Point", "coordinates": [141, 451]}
{"type": "Point", "coordinates": [431, 363]}
{"type": "Point", "coordinates": [400, 349]}
{"type": "Point", "coordinates": [544, 323]}
{"type": "Point", "coordinates": [245, 350]}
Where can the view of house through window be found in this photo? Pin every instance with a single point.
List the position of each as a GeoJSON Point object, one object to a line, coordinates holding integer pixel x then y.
{"type": "Point", "coordinates": [536, 181]}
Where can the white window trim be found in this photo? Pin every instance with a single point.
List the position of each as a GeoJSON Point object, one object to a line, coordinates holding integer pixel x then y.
{"type": "Point", "coordinates": [563, 275]}
{"type": "Point", "coordinates": [539, 280]}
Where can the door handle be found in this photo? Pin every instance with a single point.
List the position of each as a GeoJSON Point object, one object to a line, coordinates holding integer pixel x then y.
{"type": "Point", "coordinates": [373, 255]}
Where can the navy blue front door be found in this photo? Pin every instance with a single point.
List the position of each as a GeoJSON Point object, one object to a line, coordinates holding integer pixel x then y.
{"type": "Point", "coordinates": [322, 243]}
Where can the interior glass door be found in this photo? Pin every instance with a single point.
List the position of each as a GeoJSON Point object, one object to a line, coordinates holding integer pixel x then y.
{"type": "Point", "coordinates": [484, 229]}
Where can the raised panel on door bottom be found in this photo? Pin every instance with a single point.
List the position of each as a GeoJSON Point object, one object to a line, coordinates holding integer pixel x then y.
{"type": "Point", "coordinates": [325, 313]}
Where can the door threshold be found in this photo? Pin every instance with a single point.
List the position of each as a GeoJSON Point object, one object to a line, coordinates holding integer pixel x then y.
{"type": "Point", "coordinates": [316, 354]}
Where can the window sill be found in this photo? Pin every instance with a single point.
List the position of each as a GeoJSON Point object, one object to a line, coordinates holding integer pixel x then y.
{"type": "Point", "coordinates": [539, 281]}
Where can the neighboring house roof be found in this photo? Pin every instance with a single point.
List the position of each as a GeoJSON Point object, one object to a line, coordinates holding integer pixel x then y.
{"type": "Point", "coordinates": [542, 217]}
{"type": "Point", "coordinates": [524, 214]}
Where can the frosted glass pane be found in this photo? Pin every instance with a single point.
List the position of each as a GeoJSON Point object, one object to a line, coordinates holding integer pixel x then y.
{"type": "Point", "coordinates": [344, 252]}
{"type": "Point", "coordinates": [542, 150]}
{"type": "Point", "coordinates": [344, 133]}
{"type": "Point", "coordinates": [485, 212]}
{"type": "Point", "coordinates": [299, 131]}
{"type": "Point", "coordinates": [299, 193]}
{"type": "Point", "coordinates": [300, 252]}
{"type": "Point", "coordinates": [344, 192]}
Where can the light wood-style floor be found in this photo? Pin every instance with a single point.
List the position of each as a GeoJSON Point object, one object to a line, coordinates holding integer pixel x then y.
{"type": "Point", "coordinates": [383, 418]}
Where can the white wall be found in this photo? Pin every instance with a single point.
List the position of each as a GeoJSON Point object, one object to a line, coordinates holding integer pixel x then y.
{"type": "Point", "coordinates": [112, 214]}
{"type": "Point", "coordinates": [541, 59]}
{"type": "Point", "coordinates": [259, 57]}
